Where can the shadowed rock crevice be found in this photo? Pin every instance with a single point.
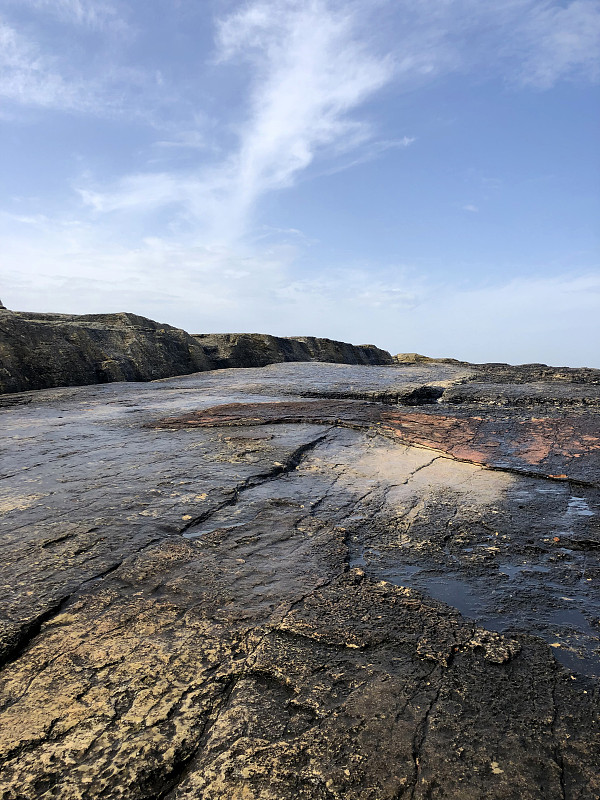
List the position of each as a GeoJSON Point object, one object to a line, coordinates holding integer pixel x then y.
{"type": "Point", "coordinates": [419, 736]}
{"type": "Point", "coordinates": [412, 396]}
{"type": "Point", "coordinates": [291, 463]}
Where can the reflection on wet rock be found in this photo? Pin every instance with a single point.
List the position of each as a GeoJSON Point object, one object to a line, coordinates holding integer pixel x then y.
{"type": "Point", "coordinates": [289, 582]}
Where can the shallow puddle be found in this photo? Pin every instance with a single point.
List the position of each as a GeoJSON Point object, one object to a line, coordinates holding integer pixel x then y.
{"type": "Point", "coordinates": [500, 607]}
{"type": "Point", "coordinates": [513, 571]}
{"type": "Point", "coordinates": [578, 507]}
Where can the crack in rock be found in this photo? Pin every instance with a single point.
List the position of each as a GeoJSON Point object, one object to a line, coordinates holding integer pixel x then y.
{"type": "Point", "coordinates": [291, 464]}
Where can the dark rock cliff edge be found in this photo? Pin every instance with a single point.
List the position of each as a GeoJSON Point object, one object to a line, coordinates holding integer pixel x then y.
{"type": "Point", "coordinates": [299, 581]}
{"type": "Point", "coordinates": [41, 351]}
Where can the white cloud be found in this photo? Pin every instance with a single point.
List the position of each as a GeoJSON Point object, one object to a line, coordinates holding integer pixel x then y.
{"type": "Point", "coordinates": [39, 71]}
{"type": "Point", "coordinates": [308, 71]}
{"type": "Point", "coordinates": [310, 65]}
{"type": "Point", "coordinates": [29, 78]}
{"type": "Point", "coordinates": [560, 41]}
{"type": "Point", "coordinates": [530, 42]}
{"type": "Point", "coordinates": [202, 289]}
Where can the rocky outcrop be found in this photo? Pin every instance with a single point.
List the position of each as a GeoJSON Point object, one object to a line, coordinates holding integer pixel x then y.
{"type": "Point", "coordinates": [502, 373]}
{"type": "Point", "coordinates": [224, 586]}
{"type": "Point", "coordinates": [258, 349]}
{"type": "Point", "coordinates": [417, 358]}
{"type": "Point", "coordinates": [39, 351]}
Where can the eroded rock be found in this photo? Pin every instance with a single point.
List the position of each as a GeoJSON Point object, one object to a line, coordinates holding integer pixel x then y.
{"type": "Point", "coordinates": [214, 587]}
{"type": "Point", "coordinates": [39, 351]}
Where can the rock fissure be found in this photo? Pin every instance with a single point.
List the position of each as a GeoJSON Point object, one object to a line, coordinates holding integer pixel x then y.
{"type": "Point", "coordinates": [181, 766]}
{"type": "Point", "coordinates": [355, 415]}
{"type": "Point", "coordinates": [557, 754]}
{"type": "Point", "coordinates": [291, 464]}
{"type": "Point", "coordinates": [419, 739]}
{"type": "Point", "coordinates": [28, 633]}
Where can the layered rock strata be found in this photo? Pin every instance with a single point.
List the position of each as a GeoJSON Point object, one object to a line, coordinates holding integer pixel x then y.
{"type": "Point", "coordinates": [39, 351]}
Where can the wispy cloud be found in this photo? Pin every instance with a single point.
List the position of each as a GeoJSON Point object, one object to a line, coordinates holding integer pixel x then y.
{"type": "Point", "coordinates": [28, 77]}
{"type": "Point", "coordinates": [560, 41]}
{"type": "Point", "coordinates": [308, 71]}
{"type": "Point", "coordinates": [38, 71]}
{"type": "Point", "coordinates": [311, 71]}
{"type": "Point", "coordinates": [528, 42]}
{"type": "Point", "coordinates": [203, 288]}
{"type": "Point", "coordinates": [309, 68]}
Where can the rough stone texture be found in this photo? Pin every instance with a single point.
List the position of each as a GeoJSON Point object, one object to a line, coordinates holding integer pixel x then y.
{"type": "Point", "coordinates": [235, 586]}
{"type": "Point", "coordinates": [417, 358]}
{"type": "Point", "coordinates": [260, 349]}
{"type": "Point", "coordinates": [561, 448]}
{"type": "Point", "coordinates": [39, 351]}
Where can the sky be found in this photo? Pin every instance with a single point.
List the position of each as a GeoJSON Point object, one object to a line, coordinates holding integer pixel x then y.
{"type": "Point", "coordinates": [423, 175]}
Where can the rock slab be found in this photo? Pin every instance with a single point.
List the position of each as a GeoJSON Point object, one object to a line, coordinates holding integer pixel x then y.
{"type": "Point", "coordinates": [288, 582]}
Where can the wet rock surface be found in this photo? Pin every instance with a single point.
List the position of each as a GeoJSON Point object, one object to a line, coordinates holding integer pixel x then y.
{"type": "Point", "coordinates": [289, 582]}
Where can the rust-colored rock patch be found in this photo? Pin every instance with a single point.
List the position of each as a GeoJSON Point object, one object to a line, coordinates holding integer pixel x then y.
{"type": "Point", "coordinates": [561, 448]}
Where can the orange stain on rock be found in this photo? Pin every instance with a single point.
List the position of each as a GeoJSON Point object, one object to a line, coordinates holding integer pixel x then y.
{"type": "Point", "coordinates": [480, 440]}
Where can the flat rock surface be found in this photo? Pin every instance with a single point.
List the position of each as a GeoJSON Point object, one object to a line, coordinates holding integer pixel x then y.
{"type": "Point", "coordinates": [292, 582]}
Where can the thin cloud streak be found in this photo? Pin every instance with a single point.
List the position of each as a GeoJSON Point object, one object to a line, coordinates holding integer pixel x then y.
{"type": "Point", "coordinates": [308, 72]}
{"type": "Point", "coordinates": [312, 70]}
{"type": "Point", "coordinates": [310, 67]}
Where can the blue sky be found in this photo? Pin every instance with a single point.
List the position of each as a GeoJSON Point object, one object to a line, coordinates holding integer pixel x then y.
{"type": "Point", "coordinates": [420, 174]}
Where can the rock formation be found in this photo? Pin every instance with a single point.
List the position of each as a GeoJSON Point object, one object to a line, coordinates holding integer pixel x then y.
{"type": "Point", "coordinates": [227, 350]}
{"type": "Point", "coordinates": [417, 358]}
{"type": "Point", "coordinates": [39, 351]}
{"type": "Point", "coordinates": [305, 581]}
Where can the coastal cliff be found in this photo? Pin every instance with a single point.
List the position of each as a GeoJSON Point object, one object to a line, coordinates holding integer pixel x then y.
{"type": "Point", "coordinates": [42, 351]}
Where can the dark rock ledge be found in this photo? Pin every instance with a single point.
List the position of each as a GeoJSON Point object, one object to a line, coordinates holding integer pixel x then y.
{"type": "Point", "coordinates": [40, 351]}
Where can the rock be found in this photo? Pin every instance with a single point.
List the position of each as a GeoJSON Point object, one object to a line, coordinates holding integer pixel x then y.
{"type": "Point", "coordinates": [257, 350]}
{"type": "Point", "coordinates": [229, 585]}
{"type": "Point", "coordinates": [39, 351]}
{"type": "Point", "coordinates": [45, 350]}
{"type": "Point", "coordinates": [417, 358]}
